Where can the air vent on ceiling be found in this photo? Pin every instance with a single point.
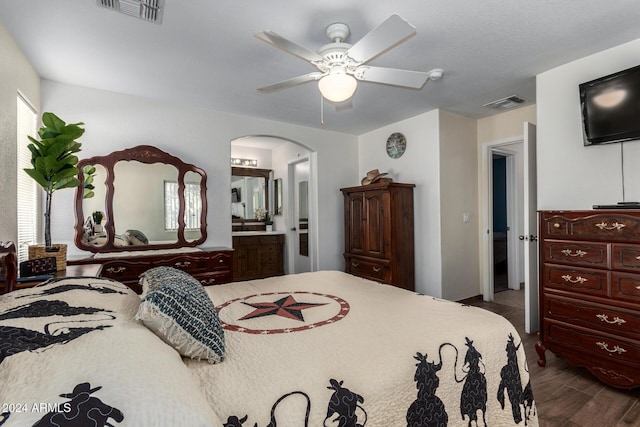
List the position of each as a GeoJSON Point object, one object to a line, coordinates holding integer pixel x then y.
{"type": "Point", "coordinates": [505, 103]}
{"type": "Point", "coordinates": [148, 10]}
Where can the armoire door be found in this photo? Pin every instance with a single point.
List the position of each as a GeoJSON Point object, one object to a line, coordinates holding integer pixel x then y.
{"type": "Point", "coordinates": [355, 223]}
{"type": "Point", "coordinates": [374, 223]}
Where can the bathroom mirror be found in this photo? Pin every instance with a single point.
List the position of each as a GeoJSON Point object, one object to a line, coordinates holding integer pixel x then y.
{"type": "Point", "coordinates": [277, 196]}
{"type": "Point", "coordinates": [249, 191]}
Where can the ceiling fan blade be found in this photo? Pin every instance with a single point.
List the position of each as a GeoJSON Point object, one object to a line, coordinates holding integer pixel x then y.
{"type": "Point", "coordinates": [288, 46]}
{"type": "Point", "coordinates": [295, 81]}
{"type": "Point", "coordinates": [392, 76]}
{"type": "Point", "coordinates": [390, 33]}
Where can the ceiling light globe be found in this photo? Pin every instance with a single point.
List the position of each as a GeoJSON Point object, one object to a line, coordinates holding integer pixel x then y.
{"type": "Point", "coordinates": [337, 87]}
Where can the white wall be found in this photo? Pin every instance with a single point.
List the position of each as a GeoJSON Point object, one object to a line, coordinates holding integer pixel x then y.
{"type": "Point", "coordinates": [441, 160]}
{"type": "Point", "coordinates": [570, 175]}
{"type": "Point", "coordinates": [16, 75]}
{"type": "Point", "coordinates": [459, 196]}
{"type": "Point", "coordinates": [420, 165]}
{"type": "Point", "coordinates": [202, 137]}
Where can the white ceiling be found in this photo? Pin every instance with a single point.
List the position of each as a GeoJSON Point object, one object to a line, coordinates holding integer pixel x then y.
{"type": "Point", "coordinates": [204, 53]}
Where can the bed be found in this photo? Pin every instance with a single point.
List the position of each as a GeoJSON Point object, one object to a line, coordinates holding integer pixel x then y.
{"type": "Point", "coordinates": [313, 349]}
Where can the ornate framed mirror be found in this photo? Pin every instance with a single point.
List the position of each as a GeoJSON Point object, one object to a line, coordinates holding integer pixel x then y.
{"type": "Point", "coordinates": [144, 198]}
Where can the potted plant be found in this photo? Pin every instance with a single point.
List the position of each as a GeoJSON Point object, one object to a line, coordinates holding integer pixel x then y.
{"type": "Point", "coordinates": [268, 221]}
{"type": "Point", "coordinates": [263, 215]}
{"type": "Point", "coordinates": [53, 162]}
{"type": "Point", "coordinates": [97, 221]}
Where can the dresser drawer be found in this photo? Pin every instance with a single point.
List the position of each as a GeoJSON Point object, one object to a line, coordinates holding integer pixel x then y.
{"type": "Point", "coordinates": [123, 270]}
{"type": "Point", "coordinates": [625, 257]}
{"type": "Point", "coordinates": [593, 316]}
{"type": "Point", "coordinates": [605, 226]}
{"type": "Point", "coordinates": [578, 280]}
{"type": "Point", "coordinates": [222, 261]}
{"type": "Point", "coordinates": [369, 269]}
{"type": "Point", "coordinates": [592, 342]}
{"type": "Point", "coordinates": [215, 278]}
{"type": "Point", "coordinates": [191, 265]}
{"type": "Point", "coordinates": [625, 287]}
{"type": "Point", "coordinates": [590, 254]}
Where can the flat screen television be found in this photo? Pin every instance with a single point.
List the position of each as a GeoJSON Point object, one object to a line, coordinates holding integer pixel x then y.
{"type": "Point", "coordinates": [611, 107]}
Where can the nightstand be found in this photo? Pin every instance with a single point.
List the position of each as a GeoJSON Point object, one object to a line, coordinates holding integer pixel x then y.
{"type": "Point", "coordinates": [71, 271]}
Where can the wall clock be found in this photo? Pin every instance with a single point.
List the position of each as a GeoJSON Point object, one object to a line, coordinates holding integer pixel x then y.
{"type": "Point", "coordinates": [396, 145]}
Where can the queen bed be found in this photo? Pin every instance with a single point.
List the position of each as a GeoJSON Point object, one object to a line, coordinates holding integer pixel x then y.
{"type": "Point", "coordinates": [313, 349]}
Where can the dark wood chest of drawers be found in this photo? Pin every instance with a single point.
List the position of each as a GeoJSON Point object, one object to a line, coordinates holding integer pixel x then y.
{"type": "Point", "coordinates": [590, 291]}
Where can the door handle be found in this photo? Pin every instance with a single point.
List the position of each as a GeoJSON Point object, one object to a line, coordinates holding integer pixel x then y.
{"type": "Point", "coordinates": [293, 229]}
{"type": "Point", "coordinates": [521, 237]}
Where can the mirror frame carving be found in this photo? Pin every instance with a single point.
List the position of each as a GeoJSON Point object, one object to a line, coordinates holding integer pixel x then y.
{"type": "Point", "coordinates": [144, 154]}
{"type": "Point", "coordinates": [255, 172]}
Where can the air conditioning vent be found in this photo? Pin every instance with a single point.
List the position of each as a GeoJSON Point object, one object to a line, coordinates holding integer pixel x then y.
{"type": "Point", "coordinates": [505, 103]}
{"type": "Point", "coordinates": [148, 10]}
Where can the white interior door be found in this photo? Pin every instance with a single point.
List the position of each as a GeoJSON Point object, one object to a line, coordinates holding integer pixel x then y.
{"type": "Point", "coordinates": [530, 230]}
{"type": "Point", "coordinates": [299, 236]}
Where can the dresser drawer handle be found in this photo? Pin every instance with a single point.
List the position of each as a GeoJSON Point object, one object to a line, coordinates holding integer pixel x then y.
{"type": "Point", "coordinates": [182, 264]}
{"type": "Point", "coordinates": [616, 349]}
{"type": "Point", "coordinates": [377, 269]}
{"type": "Point", "coordinates": [355, 264]}
{"type": "Point", "coordinates": [556, 225]}
{"type": "Point", "coordinates": [614, 226]}
{"type": "Point", "coordinates": [579, 279]}
{"type": "Point", "coordinates": [116, 269]}
{"type": "Point", "coordinates": [616, 320]}
{"type": "Point", "coordinates": [209, 281]}
{"type": "Point", "coordinates": [569, 252]}
{"type": "Point", "coordinates": [638, 288]}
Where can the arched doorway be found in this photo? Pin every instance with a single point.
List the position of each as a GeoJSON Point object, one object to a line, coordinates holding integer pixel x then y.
{"type": "Point", "coordinates": [280, 155]}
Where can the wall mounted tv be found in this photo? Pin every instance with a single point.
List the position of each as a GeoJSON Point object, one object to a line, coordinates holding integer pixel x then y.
{"type": "Point", "coordinates": [611, 107]}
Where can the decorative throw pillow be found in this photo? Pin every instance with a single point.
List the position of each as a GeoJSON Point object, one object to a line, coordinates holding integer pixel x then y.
{"type": "Point", "coordinates": [136, 237]}
{"type": "Point", "coordinates": [181, 313]}
{"type": "Point", "coordinates": [157, 276]}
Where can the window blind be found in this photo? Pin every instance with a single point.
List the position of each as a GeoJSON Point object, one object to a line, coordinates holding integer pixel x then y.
{"type": "Point", "coordinates": [193, 205]}
{"type": "Point", "coordinates": [27, 200]}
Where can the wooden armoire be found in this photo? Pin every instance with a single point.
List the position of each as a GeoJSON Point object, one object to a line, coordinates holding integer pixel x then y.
{"type": "Point", "coordinates": [378, 233]}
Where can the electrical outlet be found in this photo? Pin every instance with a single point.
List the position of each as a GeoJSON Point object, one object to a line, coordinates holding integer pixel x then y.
{"type": "Point", "coordinates": [465, 216]}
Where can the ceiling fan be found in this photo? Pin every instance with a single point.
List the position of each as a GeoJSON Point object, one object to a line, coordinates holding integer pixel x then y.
{"type": "Point", "coordinates": [340, 65]}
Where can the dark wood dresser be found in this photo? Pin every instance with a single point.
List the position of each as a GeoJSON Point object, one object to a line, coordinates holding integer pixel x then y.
{"type": "Point", "coordinates": [378, 233]}
{"type": "Point", "coordinates": [590, 291]}
{"type": "Point", "coordinates": [211, 266]}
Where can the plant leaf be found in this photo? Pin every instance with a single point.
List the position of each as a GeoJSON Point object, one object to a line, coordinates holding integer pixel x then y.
{"type": "Point", "coordinates": [37, 176]}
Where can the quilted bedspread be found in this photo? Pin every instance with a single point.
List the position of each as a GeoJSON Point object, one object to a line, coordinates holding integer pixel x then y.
{"type": "Point", "coordinates": [71, 354]}
{"type": "Point", "coordinates": [331, 349]}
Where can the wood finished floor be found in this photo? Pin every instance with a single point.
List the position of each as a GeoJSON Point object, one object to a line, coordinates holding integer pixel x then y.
{"type": "Point", "coordinates": [565, 395]}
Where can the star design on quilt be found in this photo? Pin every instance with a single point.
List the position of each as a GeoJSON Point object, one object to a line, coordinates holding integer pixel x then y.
{"type": "Point", "coordinates": [286, 307]}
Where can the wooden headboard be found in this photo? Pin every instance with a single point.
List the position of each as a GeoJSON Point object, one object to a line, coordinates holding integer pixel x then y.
{"type": "Point", "coordinates": [8, 267]}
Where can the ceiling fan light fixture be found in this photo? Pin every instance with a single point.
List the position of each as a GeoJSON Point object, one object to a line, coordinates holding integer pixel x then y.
{"type": "Point", "coordinates": [337, 87]}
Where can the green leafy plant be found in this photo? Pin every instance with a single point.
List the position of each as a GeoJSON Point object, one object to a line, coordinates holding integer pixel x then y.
{"type": "Point", "coordinates": [53, 160]}
{"type": "Point", "coordinates": [88, 174]}
{"type": "Point", "coordinates": [267, 219]}
{"type": "Point", "coordinates": [97, 217]}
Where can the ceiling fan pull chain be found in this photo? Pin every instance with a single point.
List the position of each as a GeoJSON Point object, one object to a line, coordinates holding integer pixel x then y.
{"type": "Point", "coordinates": [321, 110]}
